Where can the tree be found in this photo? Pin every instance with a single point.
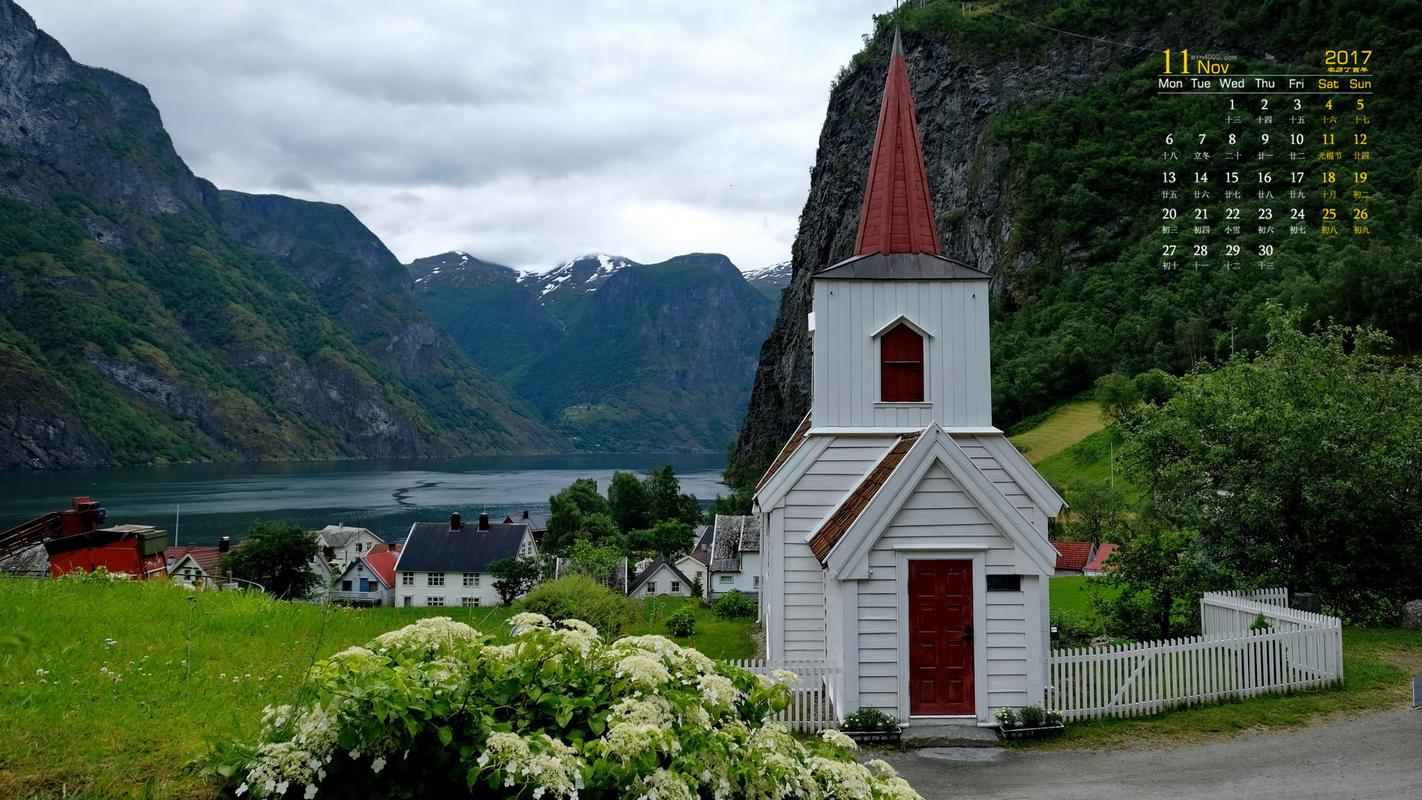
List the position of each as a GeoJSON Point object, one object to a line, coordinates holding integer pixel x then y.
{"type": "Point", "coordinates": [627, 499]}
{"type": "Point", "coordinates": [665, 500]}
{"type": "Point", "coordinates": [567, 509]}
{"type": "Point", "coordinates": [514, 576]}
{"type": "Point", "coordinates": [1297, 467]}
{"type": "Point", "coordinates": [278, 556]}
{"type": "Point", "coordinates": [736, 504]}
{"type": "Point", "coordinates": [598, 563]}
{"type": "Point", "coordinates": [1117, 395]}
{"type": "Point", "coordinates": [599, 529]}
{"type": "Point", "coordinates": [698, 589]}
{"type": "Point", "coordinates": [1097, 511]}
{"type": "Point", "coordinates": [668, 537]}
{"type": "Point", "coordinates": [1159, 574]}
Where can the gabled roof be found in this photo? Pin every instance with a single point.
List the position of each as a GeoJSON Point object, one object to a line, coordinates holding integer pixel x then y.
{"type": "Point", "coordinates": [1098, 563]}
{"type": "Point", "coordinates": [902, 266]}
{"type": "Point", "coordinates": [796, 439]}
{"type": "Point", "coordinates": [851, 530]}
{"type": "Point", "coordinates": [897, 214]}
{"type": "Point", "coordinates": [704, 536]}
{"type": "Point", "coordinates": [734, 535]}
{"type": "Point", "coordinates": [1021, 470]}
{"type": "Point", "coordinates": [204, 556]}
{"type": "Point", "coordinates": [383, 565]}
{"type": "Point", "coordinates": [651, 569]}
{"type": "Point", "coordinates": [341, 535]}
{"type": "Point", "coordinates": [435, 547]}
{"type": "Point", "coordinates": [1072, 556]}
{"type": "Point", "coordinates": [537, 522]}
{"type": "Point", "coordinates": [843, 517]}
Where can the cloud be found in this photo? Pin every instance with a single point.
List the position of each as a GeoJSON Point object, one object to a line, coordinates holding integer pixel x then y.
{"type": "Point", "coordinates": [522, 132]}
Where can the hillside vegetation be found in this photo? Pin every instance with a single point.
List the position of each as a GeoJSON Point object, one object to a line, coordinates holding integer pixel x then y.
{"type": "Point", "coordinates": [110, 688]}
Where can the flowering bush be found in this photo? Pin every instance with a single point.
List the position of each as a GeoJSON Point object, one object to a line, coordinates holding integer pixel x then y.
{"type": "Point", "coordinates": [436, 709]}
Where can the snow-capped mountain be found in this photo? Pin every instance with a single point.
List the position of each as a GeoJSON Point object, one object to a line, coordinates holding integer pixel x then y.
{"type": "Point", "coordinates": [581, 274]}
{"type": "Point", "coordinates": [771, 280]}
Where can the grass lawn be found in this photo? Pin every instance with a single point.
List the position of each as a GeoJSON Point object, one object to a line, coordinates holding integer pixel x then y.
{"type": "Point", "coordinates": [1072, 594]}
{"type": "Point", "coordinates": [1089, 461]}
{"type": "Point", "coordinates": [1064, 427]}
{"type": "Point", "coordinates": [98, 702]}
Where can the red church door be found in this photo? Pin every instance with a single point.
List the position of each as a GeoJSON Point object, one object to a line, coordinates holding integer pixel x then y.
{"type": "Point", "coordinates": [940, 629]}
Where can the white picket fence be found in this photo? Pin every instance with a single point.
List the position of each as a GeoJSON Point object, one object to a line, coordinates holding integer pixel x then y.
{"type": "Point", "coordinates": [1298, 650]}
{"type": "Point", "coordinates": [810, 709]}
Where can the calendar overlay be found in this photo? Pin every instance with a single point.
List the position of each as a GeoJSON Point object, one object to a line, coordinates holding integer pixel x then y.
{"type": "Point", "coordinates": [1276, 154]}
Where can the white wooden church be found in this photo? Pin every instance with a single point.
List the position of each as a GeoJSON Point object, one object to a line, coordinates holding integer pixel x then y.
{"type": "Point", "coordinates": [905, 539]}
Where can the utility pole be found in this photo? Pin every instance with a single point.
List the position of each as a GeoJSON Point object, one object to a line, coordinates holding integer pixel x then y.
{"type": "Point", "coordinates": [177, 522]}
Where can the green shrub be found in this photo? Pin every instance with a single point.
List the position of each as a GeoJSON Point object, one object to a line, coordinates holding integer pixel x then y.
{"type": "Point", "coordinates": [870, 719]}
{"type": "Point", "coordinates": [1074, 629]}
{"type": "Point", "coordinates": [1007, 717]}
{"type": "Point", "coordinates": [579, 597]}
{"type": "Point", "coordinates": [1032, 716]}
{"type": "Point", "coordinates": [682, 623]}
{"type": "Point", "coordinates": [436, 710]}
{"type": "Point", "coordinates": [735, 605]}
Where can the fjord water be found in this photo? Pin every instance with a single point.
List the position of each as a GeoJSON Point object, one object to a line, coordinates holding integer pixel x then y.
{"type": "Point", "coordinates": [385, 496]}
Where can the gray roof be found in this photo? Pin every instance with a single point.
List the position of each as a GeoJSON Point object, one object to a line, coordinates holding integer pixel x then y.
{"type": "Point", "coordinates": [537, 521]}
{"type": "Point", "coordinates": [657, 563]}
{"type": "Point", "coordinates": [902, 267]}
{"type": "Point", "coordinates": [435, 547]}
{"type": "Point", "coordinates": [734, 535]}
{"type": "Point", "coordinates": [340, 535]}
{"type": "Point", "coordinates": [704, 538]}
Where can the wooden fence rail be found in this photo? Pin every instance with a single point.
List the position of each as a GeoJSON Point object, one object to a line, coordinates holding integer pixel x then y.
{"type": "Point", "coordinates": [810, 709]}
{"type": "Point", "coordinates": [1235, 657]}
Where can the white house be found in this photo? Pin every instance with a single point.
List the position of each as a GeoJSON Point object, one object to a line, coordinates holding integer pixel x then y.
{"type": "Point", "coordinates": [368, 581]}
{"type": "Point", "coordinates": [448, 564]}
{"type": "Point", "coordinates": [905, 537]}
{"type": "Point", "coordinates": [695, 565]}
{"type": "Point", "coordinates": [344, 545]}
{"type": "Point", "coordinates": [660, 577]}
{"type": "Point", "coordinates": [735, 555]}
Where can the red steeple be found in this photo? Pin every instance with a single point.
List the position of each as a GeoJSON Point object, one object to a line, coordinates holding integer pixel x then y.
{"type": "Point", "coordinates": [897, 216]}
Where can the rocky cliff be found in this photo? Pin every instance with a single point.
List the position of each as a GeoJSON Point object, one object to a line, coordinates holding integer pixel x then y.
{"type": "Point", "coordinates": [146, 316]}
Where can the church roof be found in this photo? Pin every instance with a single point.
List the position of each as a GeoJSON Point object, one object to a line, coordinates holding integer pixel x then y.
{"type": "Point", "coordinates": [796, 439]}
{"type": "Point", "coordinates": [902, 266]}
{"type": "Point", "coordinates": [897, 215]}
{"type": "Point", "coordinates": [844, 517]}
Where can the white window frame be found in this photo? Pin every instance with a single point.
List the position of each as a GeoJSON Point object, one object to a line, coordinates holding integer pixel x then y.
{"type": "Point", "coordinates": [434, 578]}
{"type": "Point", "coordinates": [651, 587]}
{"type": "Point", "coordinates": [407, 579]}
{"type": "Point", "coordinates": [468, 601]}
{"type": "Point", "coordinates": [676, 587]}
{"type": "Point", "coordinates": [434, 600]}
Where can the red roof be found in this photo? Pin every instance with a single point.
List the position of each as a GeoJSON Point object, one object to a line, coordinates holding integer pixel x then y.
{"type": "Point", "coordinates": [206, 556]}
{"type": "Point", "coordinates": [1072, 556]}
{"type": "Point", "coordinates": [1098, 561]}
{"type": "Point", "coordinates": [383, 565]}
{"type": "Point", "coordinates": [897, 215]}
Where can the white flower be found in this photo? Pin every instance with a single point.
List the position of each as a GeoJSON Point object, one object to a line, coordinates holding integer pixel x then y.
{"type": "Point", "coordinates": [664, 785]}
{"type": "Point", "coordinates": [378, 764]}
{"type": "Point", "coordinates": [878, 766]}
{"type": "Point", "coordinates": [241, 790]}
{"type": "Point", "coordinates": [785, 676]}
{"type": "Point", "coordinates": [310, 791]}
{"type": "Point", "coordinates": [527, 621]}
{"type": "Point", "coordinates": [644, 669]}
{"type": "Point", "coordinates": [838, 739]}
{"type": "Point", "coordinates": [717, 690]}
{"type": "Point", "coordinates": [430, 633]}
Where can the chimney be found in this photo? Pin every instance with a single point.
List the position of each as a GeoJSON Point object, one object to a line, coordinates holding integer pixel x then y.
{"type": "Point", "coordinates": [525, 513]}
{"type": "Point", "coordinates": [454, 521]}
{"type": "Point", "coordinates": [224, 544]}
{"type": "Point", "coordinates": [483, 522]}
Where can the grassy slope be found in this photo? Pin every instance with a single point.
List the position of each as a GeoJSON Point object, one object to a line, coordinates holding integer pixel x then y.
{"type": "Point", "coordinates": [1066, 426]}
{"type": "Point", "coordinates": [131, 729]}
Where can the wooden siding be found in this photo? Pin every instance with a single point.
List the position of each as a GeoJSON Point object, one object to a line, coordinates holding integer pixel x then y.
{"type": "Point", "coordinates": [939, 512]}
{"type": "Point", "coordinates": [984, 460]}
{"type": "Point", "coordinates": [957, 381]}
{"type": "Point", "coordinates": [793, 578]}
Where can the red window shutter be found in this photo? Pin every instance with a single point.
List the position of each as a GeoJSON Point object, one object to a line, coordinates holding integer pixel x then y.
{"type": "Point", "coordinates": [901, 366]}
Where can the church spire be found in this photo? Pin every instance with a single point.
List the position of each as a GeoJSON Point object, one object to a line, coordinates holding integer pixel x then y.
{"type": "Point", "coordinates": [897, 215]}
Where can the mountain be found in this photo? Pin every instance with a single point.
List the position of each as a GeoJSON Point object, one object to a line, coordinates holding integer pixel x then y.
{"type": "Point", "coordinates": [615, 355]}
{"type": "Point", "coordinates": [146, 316]}
{"type": "Point", "coordinates": [1043, 154]}
{"type": "Point", "coordinates": [772, 280]}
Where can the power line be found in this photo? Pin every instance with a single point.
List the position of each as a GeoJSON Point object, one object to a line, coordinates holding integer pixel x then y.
{"type": "Point", "coordinates": [1067, 32]}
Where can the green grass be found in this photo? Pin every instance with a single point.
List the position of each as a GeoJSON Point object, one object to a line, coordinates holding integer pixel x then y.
{"type": "Point", "coordinates": [1378, 666]}
{"type": "Point", "coordinates": [1088, 462]}
{"type": "Point", "coordinates": [116, 712]}
{"type": "Point", "coordinates": [1064, 427]}
{"type": "Point", "coordinates": [1072, 594]}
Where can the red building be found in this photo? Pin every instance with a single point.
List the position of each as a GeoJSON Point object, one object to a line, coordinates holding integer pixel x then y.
{"type": "Point", "coordinates": [76, 539]}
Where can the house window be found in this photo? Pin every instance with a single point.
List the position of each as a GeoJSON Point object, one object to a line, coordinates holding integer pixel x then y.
{"type": "Point", "coordinates": [676, 587]}
{"type": "Point", "coordinates": [434, 579]}
{"type": "Point", "coordinates": [409, 601]}
{"type": "Point", "coordinates": [471, 579]}
{"type": "Point", "coordinates": [651, 587]}
{"type": "Point", "coordinates": [757, 581]}
{"type": "Point", "coordinates": [345, 586]}
{"type": "Point", "coordinates": [364, 584]}
{"type": "Point", "coordinates": [901, 366]}
{"type": "Point", "coordinates": [726, 579]}
{"type": "Point", "coordinates": [468, 601]}
{"type": "Point", "coordinates": [1004, 583]}
{"type": "Point", "coordinates": [358, 545]}
{"type": "Point", "coordinates": [407, 579]}
{"type": "Point", "coordinates": [434, 601]}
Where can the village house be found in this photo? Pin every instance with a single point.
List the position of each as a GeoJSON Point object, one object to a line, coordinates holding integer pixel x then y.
{"type": "Point", "coordinates": [342, 545]}
{"type": "Point", "coordinates": [905, 538]}
{"type": "Point", "coordinates": [537, 524]}
{"type": "Point", "coordinates": [735, 556]}
{"type": "Point", "coordinates": [696, 566]}
{"type": "Point", "coordinates": [660, 576]}
{"type": "Point", "coordinates": [447, 564]}
{"type": "Point", "coordinates": [369, 581]}
{"type": "Point", "coordinates": [1072, 557]}
{"type": "Point", "coordinates": [195, 565]}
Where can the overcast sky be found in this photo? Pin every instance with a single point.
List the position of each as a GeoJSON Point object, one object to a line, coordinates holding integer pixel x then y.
{"type": "Point", "coordinates": [523, 132]}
